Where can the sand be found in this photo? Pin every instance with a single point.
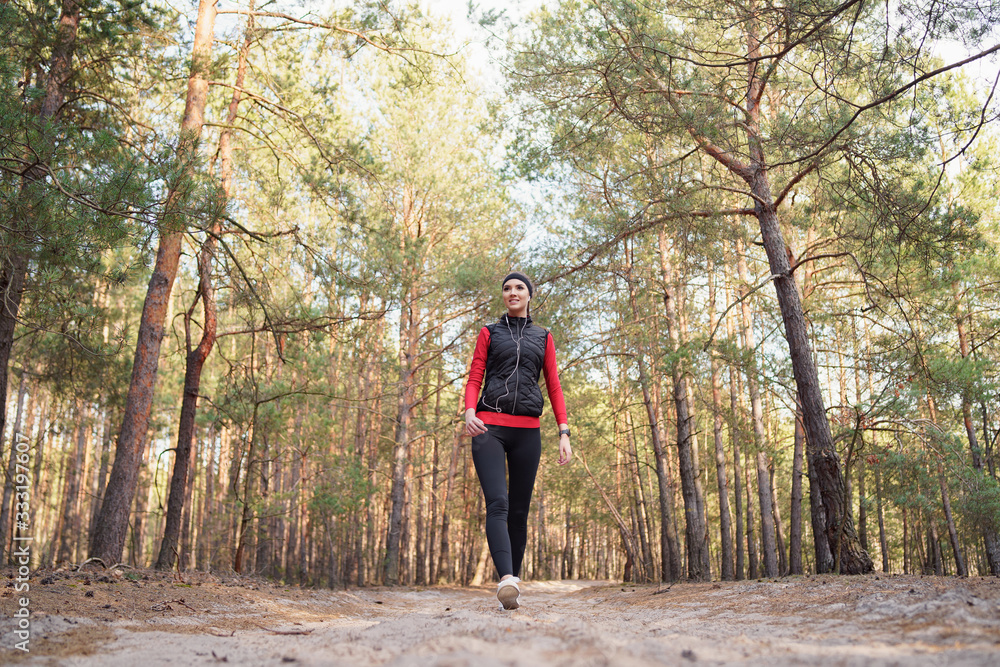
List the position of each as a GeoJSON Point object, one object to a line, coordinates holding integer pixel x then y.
{"type": "Point", "coordinates": [151, 619]}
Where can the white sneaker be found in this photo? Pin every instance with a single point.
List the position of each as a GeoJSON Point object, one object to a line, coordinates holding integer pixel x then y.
{"type": "Point", "coordinates": [507, 593]}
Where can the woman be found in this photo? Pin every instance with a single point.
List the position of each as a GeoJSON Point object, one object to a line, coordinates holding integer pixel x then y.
{"type": "Point", "coordinates": [505, 427]}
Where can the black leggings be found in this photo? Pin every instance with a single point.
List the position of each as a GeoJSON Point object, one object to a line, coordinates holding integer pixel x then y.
{"type": "Point", "coordinates": [507, 511]}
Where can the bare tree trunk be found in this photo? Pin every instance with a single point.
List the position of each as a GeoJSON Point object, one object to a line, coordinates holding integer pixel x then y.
{"type": "Point", "coordinates": [295, 542]}
{"type": "Point", "coordinates": [640, 499]}
{"type": "Point", "coordinates": [184, 552]}
{"type": "Point", "coordinates": [196, 357]}
{"type": "Point", "coordinates": [419, 542]}
{"type": "Point", "coordinates": [822, 549]}
{"type": "Point", "coordinates": [265, 538]}
{"type": "Point", "coordinates": [821, 451]}
{"type": "Point", "coordinates": [795, 518]}
{"type": "Point", "coordinates": [779, 535]}
{"type": "Point", "coordinates": [735, 436]}
{"type": "Point", "coordinates": [698, 563]}
{"type": "Point", "coordinates": [434, 508]}
{"type": "Point", "coordinates": [102, 472]}
{"type": "Point", "coordinates": [189, 407]}
{"type": "Point", "coordinates": [956, 547]}
{"type": "Point", "coordinates": [936, 563]}
{"type": "Point", "coordinates": [246, 514]}
{"type": "Point", "coordinates": [753, 558]}
{"type": "Point", "coordinates": [404, 415]}
{"type": "Point", "coordinates": [206, 512]}
{"type": "Point", "coordinates": [862, 506]}
{"type": "Point", "coordinates": [108, 540]}
{"type": "Point", "coordinates": [70, 507]}
{"type": "Point", "coordinates": [146, 486]}
{"type": "Point", "coordinates": [882, 540]}
{"type": "Point", "coordinates": [767, 531]}
{"type": "Point", "coordinates": [725, 520]}
{"type": "Point", "coordinates": [907, 565]}
{"type": "Point", "coordinates": [669, 551]}
{"type": "Point", "coordinates": [444, 551]}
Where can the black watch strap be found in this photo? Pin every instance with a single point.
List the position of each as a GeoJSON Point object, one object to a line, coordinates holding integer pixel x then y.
{"type": "Point", "coordinates": [564, 431]}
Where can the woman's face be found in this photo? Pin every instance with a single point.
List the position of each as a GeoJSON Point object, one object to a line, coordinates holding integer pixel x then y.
{"type": "Point", "coordinates": [516, 297]}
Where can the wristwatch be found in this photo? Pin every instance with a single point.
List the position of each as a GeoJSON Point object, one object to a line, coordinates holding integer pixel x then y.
{"type": "Point", "coordinates": [564, 431]}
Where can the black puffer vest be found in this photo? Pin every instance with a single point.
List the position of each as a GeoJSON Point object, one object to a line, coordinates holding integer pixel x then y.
{"type": "Point", "coordinates": [513, 364]}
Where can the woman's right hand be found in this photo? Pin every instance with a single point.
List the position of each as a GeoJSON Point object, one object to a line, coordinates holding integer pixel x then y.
{"type": "Point", "coordinates": [473, 425]}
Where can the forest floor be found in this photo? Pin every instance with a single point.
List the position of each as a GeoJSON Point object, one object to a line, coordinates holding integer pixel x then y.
{"type": "Point", "coordinates": [149, 619]}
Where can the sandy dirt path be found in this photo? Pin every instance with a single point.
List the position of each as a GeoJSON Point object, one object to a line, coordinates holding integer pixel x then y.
{"type": "Point", "coordinates": [80, 620]}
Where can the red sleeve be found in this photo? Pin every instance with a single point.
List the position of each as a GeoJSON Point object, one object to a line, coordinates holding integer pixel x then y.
{"type": "Point", "coordinates": [552, 382]}
{"type": "Point", "coordinates": [477, 369]}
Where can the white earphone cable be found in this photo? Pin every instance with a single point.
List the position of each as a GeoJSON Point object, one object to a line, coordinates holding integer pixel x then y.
{"type": "Point", "coordinates": [513, 374]}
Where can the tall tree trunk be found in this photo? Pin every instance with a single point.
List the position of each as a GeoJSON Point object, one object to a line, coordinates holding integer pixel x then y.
{"type": "Point", "coordinates": [735, 435]}
{"type": "Point", "coordinates": [821, 450]}
{"type": "Point", "coordinates": [246, 513]}
{"type": "Point", "coordinates": [264, 536]}
{"type": "Point", "coordinates": [862, 506]}
{"type": "Point", "coordinates": [406, 400]}
{"type": "Point", "coordinates": [725, 519]}
{"type": "Point", "coordinates": [146, 486]}
{"type": "Point", "coordinates": [184, 551]}
{"type": "Point", "coordinates": [821, 540]}
{"type": "Point", "coordinates": [907, 565]}
{"type": "Point", "coordinates": [779, 535]}
{"type": "Point", "coordinates": [670, 569]}
{"type": "Point", "coordinates": [640, 499]}
{"type": "Point", "coordinates": [207, 528]}
{"type": "Point", "coordinates": [444, 550]}
{"type": "Point", "coordinates": [956, 547]}
{"type": "Point", "coordinates": [70, 507]}
{"type": "Point", "coordinates": [753, 557]}
{"type": "Point", "coordinates": [795, 516]}
{"type": "Point", "coordinates": [196, 357]}
{"type": "Point", "coordinates": [882, 540]}
{"type": "Point", "coordinates": [935, 563]}
{"type": "Point", "coordinates": [102, 471]}
{"type": "Point", "coordinates": [822, 454]}
{"type": "Point", "coordinates": [767, 531]}
{"type": "Point", "coordinates": [108, 540]}
{"type": "Point", "coordinates": [830, 478]}
{"type": "Point", "coordinates": [698, 563]}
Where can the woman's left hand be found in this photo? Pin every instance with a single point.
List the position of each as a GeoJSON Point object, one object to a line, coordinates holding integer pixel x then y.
{"type": "Point", "coordinates": [565, 451]}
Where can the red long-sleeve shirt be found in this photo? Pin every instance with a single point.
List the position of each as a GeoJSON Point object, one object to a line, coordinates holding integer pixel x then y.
{"type": "Point", "coordinates": [549, 368]}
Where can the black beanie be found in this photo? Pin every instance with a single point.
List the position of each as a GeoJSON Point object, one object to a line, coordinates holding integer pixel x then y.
{"type": "Point", "coordinates": [523, 278]}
